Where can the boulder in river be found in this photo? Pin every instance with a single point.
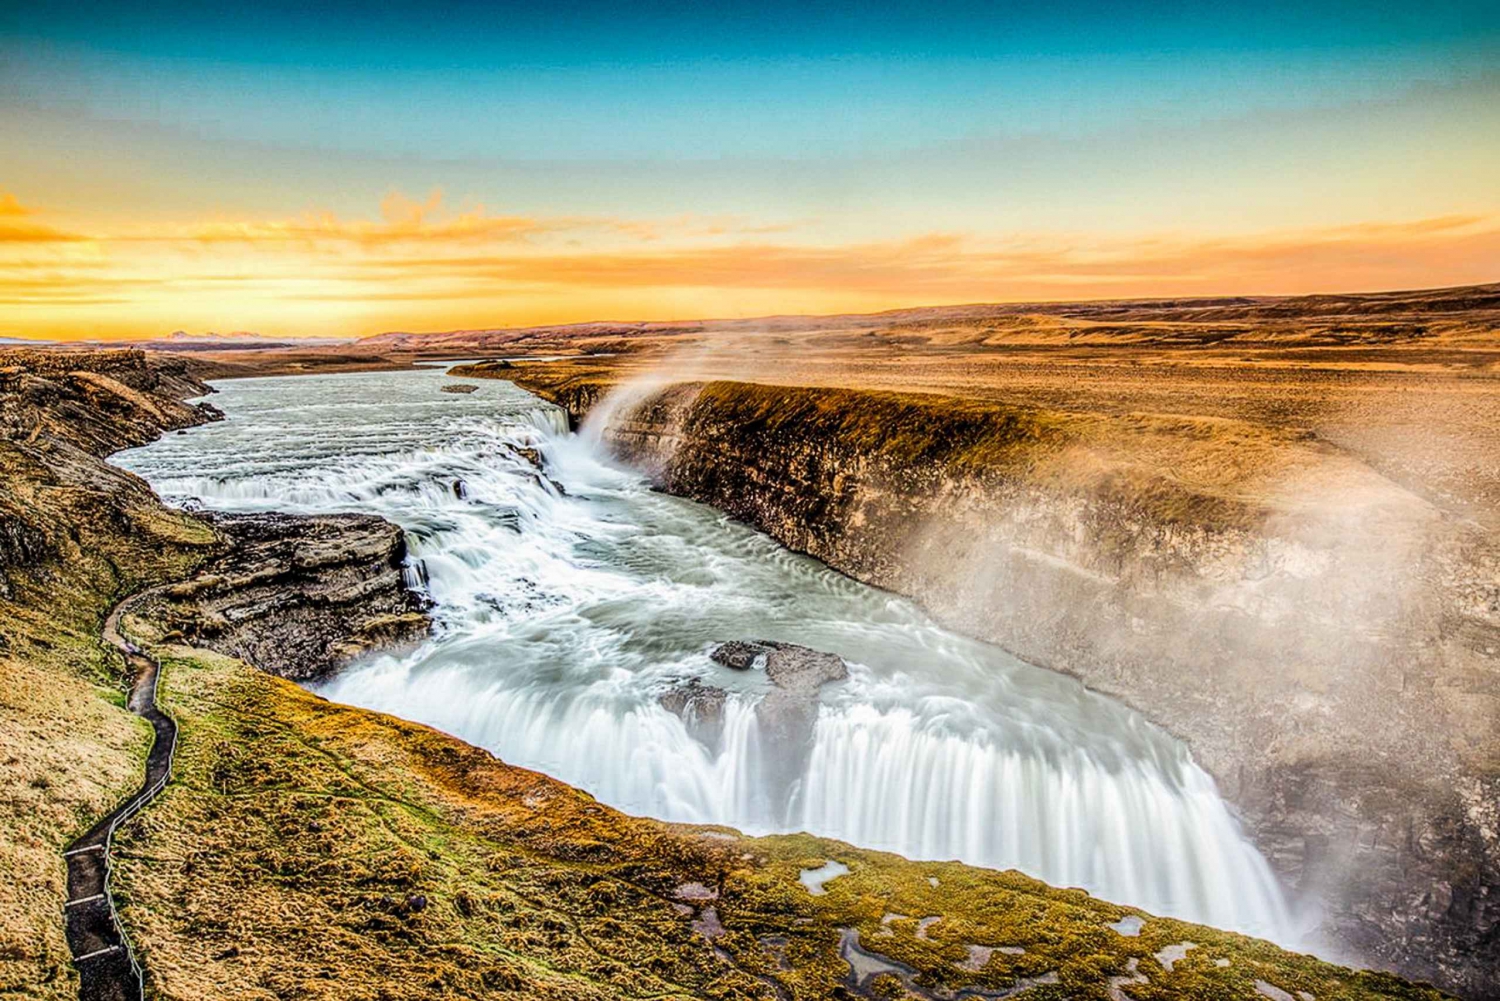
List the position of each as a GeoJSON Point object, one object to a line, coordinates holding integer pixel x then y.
{"type": "Point", "coordinates": [787, 713]}
{"type": "Point", "coordinates": [739, 654]}
{"type": "Point", "coordinates": [700, 706]}
{"type": "Point", "coordinates": [462, 387]}
{"type": "Point", "coordinates": [789, 666]}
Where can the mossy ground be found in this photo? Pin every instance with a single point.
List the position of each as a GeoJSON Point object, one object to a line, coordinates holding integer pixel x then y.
{"type": "Point", "coordinates": [312, 850]}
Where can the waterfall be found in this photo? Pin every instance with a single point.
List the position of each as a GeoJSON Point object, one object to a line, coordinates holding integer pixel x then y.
{"type": "Point", "coordinates": [564, 615]}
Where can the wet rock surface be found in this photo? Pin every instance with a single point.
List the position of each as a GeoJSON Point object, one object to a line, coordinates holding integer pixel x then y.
{"type": "Point", "coordinates": [297, 596]}
{"type": "Point", "coordinates": [787, 713]}
{"type": "Point", "coordinates": [738, 654]}
{"type": "Point", "coordinates": [700, 706]}
{"type": "Point", "coordinates": [462, 388]}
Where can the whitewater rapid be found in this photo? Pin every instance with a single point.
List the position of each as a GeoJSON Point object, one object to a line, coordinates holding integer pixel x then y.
{"type": "Point", "coordinates": [569, 598]}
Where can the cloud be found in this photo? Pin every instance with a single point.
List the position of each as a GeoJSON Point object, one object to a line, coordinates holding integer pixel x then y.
{"type": "Point", "coordinates": [15, 226]}
{"type": "Point", "coordinates": [1445, 250]}
{"type": "Point", "coordinates": [422, 265]}
{"type": "Point", "coordinates": [402, 220]}
{"type": "Point", "coordinates": [430, 222]}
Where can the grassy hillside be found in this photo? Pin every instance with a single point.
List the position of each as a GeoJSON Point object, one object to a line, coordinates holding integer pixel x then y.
{"type": "Point", "coordinates": [313, 850]}
{"type": "Point", "coordinates": [71, 751]}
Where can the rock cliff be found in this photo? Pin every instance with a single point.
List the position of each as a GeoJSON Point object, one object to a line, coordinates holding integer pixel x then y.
{"type": "Point", "coordinates": [1325, 641]}
{"type": "Point", "coordinates": [297, 596]}
{"type": "Point", "coordinates": [60, 413]}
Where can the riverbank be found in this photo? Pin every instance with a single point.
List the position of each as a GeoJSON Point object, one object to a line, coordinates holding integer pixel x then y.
{"type": "Point", "coordinates": [320, 850]}
{"type": "Point", "coordinates": [1320, 636]}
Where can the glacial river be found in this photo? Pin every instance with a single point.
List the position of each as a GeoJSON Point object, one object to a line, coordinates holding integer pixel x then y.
{"type": "Point", "coordinates": [567, 603]}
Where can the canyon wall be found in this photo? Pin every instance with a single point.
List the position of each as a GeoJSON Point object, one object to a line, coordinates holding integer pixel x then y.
{"type": "Point", "coordinates": [1325, 641]}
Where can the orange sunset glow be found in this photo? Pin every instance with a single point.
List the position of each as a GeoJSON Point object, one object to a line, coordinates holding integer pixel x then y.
{"type": "Point", "coordinates": [423, 265]}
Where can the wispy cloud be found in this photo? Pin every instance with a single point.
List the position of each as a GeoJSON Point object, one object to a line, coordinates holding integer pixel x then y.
{"type": "Point", "coordinates": [431, 222]}
{"type": "Point", "coordinates": [402, 220]}
{"type": "Point", "coordinates": [422, 265]}
{"type": "Point", "coordinates": [16, 225]}
{"type": "Point", "coordinates": [946, 264]}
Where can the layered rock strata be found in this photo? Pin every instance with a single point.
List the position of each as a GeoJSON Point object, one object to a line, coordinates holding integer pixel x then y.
{"type": "Point", "coordinates": [297, 596]}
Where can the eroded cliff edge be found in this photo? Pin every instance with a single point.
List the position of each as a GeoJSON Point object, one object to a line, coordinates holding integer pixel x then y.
{"type": "Point", "coordinates": [1324, 640]}
{"type": "Point", "coordinates": [311, 850]}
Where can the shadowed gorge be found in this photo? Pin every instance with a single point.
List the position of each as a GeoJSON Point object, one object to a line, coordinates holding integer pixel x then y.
{"type": "Point", "coordinates": [1291, 612]}
{"type": "Point", "coordinates": [311, 849]}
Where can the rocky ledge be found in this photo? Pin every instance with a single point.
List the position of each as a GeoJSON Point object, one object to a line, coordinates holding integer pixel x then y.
{"type": "Point", "coordinates": [297, 596]}
{"type": "Point", "coordinates": [60, 414]}
{"type": "Point", "coordinates": [97, 401]}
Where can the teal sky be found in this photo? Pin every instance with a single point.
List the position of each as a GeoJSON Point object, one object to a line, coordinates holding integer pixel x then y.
{"type": "Point", "coordinates": [807, 125]}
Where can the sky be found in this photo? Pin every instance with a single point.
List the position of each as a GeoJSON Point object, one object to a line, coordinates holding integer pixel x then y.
{"type": "Point", "coordinates": [343, 169]}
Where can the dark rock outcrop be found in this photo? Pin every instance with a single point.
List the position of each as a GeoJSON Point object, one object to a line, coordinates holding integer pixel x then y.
{"type": "Point", "coordinates": [461, 388]}
{"type": "Point", "coordinates": [738, 654]}
{"type": "Point", "coordinates": [787, 713]}
{"type": "Point", "coordinates": [297, 596]}
{"type": "Point", "coordinates": [700, 706]}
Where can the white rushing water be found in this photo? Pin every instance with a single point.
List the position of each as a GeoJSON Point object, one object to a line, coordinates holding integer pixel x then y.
{"type": "Point", "coordinates": [566, 603]}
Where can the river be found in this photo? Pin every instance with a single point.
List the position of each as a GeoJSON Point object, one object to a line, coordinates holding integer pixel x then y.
{"type": "Point", "coordinates": [567, 601]}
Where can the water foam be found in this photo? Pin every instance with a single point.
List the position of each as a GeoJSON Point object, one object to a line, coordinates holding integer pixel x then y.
{"type": "Point", "coordinates": [568, 599]}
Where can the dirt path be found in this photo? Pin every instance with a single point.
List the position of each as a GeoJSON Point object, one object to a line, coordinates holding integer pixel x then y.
{"type": "Point", "coordinates": [107, 967]}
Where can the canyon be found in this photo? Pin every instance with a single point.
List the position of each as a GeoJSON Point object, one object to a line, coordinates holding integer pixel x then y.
{"type": "Point", "coordinates": [1266, 525]}
{"type": "Point", "coordinates": [1324, 639]}
{"type": "Point", "coordinates": [306, 848]}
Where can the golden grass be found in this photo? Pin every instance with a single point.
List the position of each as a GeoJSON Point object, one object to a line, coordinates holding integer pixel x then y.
{"type": "Point", "coordinates": [69, 750]}
{"type": "Point", "coordinates": [313, 850]}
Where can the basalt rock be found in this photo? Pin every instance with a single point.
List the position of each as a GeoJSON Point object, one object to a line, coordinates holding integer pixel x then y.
{"type": "Point", "coordinates": [462, 388]}
{"type": "Point", "coordinates": [297, 596]}
{"type": "Point", "coordinates": [699, 706]}
{"type": "Point", "coordinates": [738, 654]}
{"type": "Point", "coordinates": [789, 711]}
